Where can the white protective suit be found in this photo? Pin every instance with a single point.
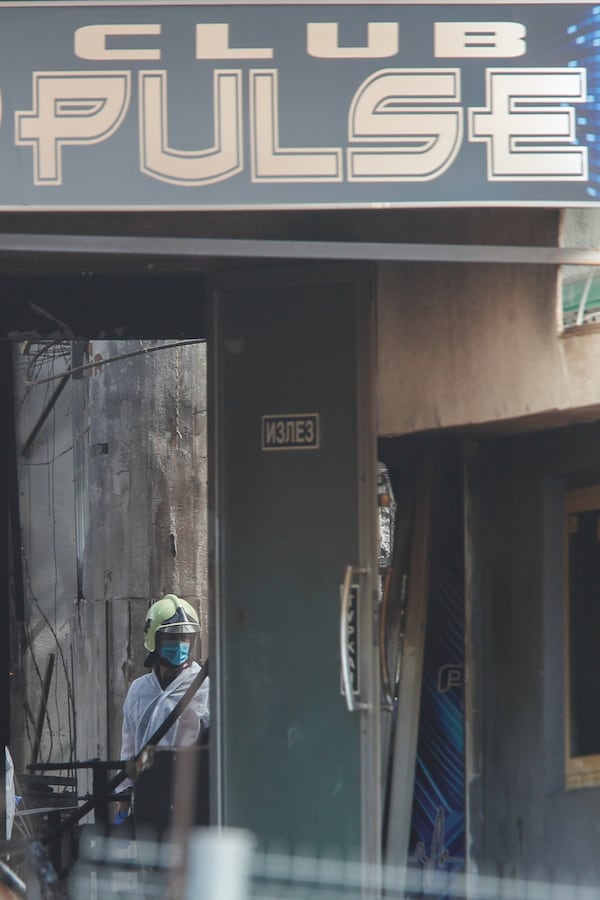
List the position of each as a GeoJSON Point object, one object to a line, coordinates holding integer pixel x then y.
{"type": "Point", "coordinates": [147, 705]}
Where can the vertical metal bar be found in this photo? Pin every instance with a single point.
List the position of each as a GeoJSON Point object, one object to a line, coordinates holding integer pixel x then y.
{"type": "Point", "coordinates": [100, 793]}
{"type": "Point", "coordinates": [11, 518]}
{"type": "Point", "coordinates": [79, 458]}
{"type": "Point", "coordinates": [474, 808]}
{"type": "Point", "coordinates": [368, 550]}
{"type": "Point", "coordinates": [215, 541]}
{"type": "Point", "coordinates": [54, 846]}
{"type": "Point", "coordinates": [220, 865]}
{"type": "Point", "coordinates": [108, 646]}
{"type": "Point", "coordinates": [409, 695]}
{"type": "Point", "coordinates": [7, 468]}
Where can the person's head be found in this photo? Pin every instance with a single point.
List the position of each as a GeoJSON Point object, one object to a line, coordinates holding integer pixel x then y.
{"type": "Point", "coordinates": [170, 632]}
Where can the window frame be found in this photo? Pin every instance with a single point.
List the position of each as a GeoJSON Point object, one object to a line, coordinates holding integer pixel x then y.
{"type": "Point", "coordinates": [580, 771]}
{"type": "Point", "coordinates": [585, 317]}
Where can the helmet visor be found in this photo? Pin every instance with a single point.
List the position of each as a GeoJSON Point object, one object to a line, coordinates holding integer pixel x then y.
{"type": "Point", "coordinates": [179, 628]}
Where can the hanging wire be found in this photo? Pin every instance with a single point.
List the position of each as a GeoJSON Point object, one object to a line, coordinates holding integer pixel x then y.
{"type": "Point", "coordinates": [111, 359]}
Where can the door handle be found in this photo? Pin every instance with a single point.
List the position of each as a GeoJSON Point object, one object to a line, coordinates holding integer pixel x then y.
{"type": "Point", "coordinates": [348, 692]}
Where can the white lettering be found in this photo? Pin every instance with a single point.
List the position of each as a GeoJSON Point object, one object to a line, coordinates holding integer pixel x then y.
{"type": "Point", "coordinates": [270, 161]}
{"type": "Point", "coordinates": [322, 41]}
{"type": "Point", "coordinates": [212, 42]}
{"type": "Point", "coordinates": [70, 108]}
{"type": "Point", "coordinates": [468, 40]}
{"type": "Point", "coordinates": [269, 432]}
{"type": "Point", "coordinates": [524, 120]}
{"type": "Point", "coordinates": [90, 42]}
{"type": "Point", "coordinates": [191, 167]}
{"type": "Point", "coordinates": [402, 107]}
{"type": "Point", "coordinates": [289, 432]}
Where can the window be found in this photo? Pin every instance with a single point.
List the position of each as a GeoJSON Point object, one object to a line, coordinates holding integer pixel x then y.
{"type": "Point", "coordinates": [582, 577]}
{"type": "Point", "coordinates": [580, 294]}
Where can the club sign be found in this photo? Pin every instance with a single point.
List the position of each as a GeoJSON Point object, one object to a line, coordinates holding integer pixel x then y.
{"type": "Point", "coordinates": [210, 105]}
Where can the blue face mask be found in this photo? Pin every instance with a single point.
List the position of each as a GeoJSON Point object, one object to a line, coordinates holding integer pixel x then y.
{"type": "Point", "coordinates": [175, 653]}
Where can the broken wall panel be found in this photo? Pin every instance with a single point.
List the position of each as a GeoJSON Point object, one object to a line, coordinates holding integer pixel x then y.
{"type": "Point", "coordinates": [112, 516]}
{"type": "Point", "coordinates": [43, 711]}
{"type": "Point", "coordinates": [146, 529]}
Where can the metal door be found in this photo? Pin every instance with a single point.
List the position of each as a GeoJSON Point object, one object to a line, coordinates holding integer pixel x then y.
{"type": "Point", "coordinates": [293, 483]}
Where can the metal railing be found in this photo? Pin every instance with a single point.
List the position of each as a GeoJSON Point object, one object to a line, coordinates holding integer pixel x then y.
{"type": "Point", "coordinates": [223, 865]}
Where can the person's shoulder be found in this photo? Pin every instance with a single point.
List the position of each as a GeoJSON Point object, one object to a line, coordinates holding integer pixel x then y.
{"type": "Point", "coordinates": [138, 684]}
{"type": "Point", "coordinates": [147, 676]}
{"type": "Point", "coordinates": [189, 674]}
{"type": "Point", "coordinates": [194, 668]}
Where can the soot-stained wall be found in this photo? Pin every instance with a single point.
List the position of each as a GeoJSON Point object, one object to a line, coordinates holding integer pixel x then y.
{"type": "Point", "coordinates": [523, 820]}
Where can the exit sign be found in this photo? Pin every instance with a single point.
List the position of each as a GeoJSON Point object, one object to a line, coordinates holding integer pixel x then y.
{"type": "Point", "coordinates": [298, 431]}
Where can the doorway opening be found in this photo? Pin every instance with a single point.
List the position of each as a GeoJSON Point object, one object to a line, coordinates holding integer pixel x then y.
{"type": "Point", "coordinates": [106, 485]}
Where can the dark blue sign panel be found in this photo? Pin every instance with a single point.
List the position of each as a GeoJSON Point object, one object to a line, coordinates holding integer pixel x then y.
{"type": "Point", "coordinates": [217, 105]}
{"type": "Point", "coordinates": [437, 840]}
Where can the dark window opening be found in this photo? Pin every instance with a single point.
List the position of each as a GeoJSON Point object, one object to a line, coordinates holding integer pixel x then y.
{"type": "Point", "coordinates": [583, 628]}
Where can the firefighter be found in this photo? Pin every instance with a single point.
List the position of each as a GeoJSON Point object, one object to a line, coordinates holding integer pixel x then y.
{"type": "Point", "coordinates": [170, 634]}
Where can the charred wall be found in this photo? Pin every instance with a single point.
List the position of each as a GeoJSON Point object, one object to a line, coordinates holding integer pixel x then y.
{"type": "Point", "coordinates": [524, 822]}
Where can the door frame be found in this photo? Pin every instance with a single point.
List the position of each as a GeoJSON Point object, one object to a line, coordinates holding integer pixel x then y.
{"type": "Point", "coordinates": [362, 277]}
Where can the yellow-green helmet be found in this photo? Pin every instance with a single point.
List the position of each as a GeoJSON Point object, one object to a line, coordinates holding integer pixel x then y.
{"type": "Point", "coordinates": [171, 614]}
